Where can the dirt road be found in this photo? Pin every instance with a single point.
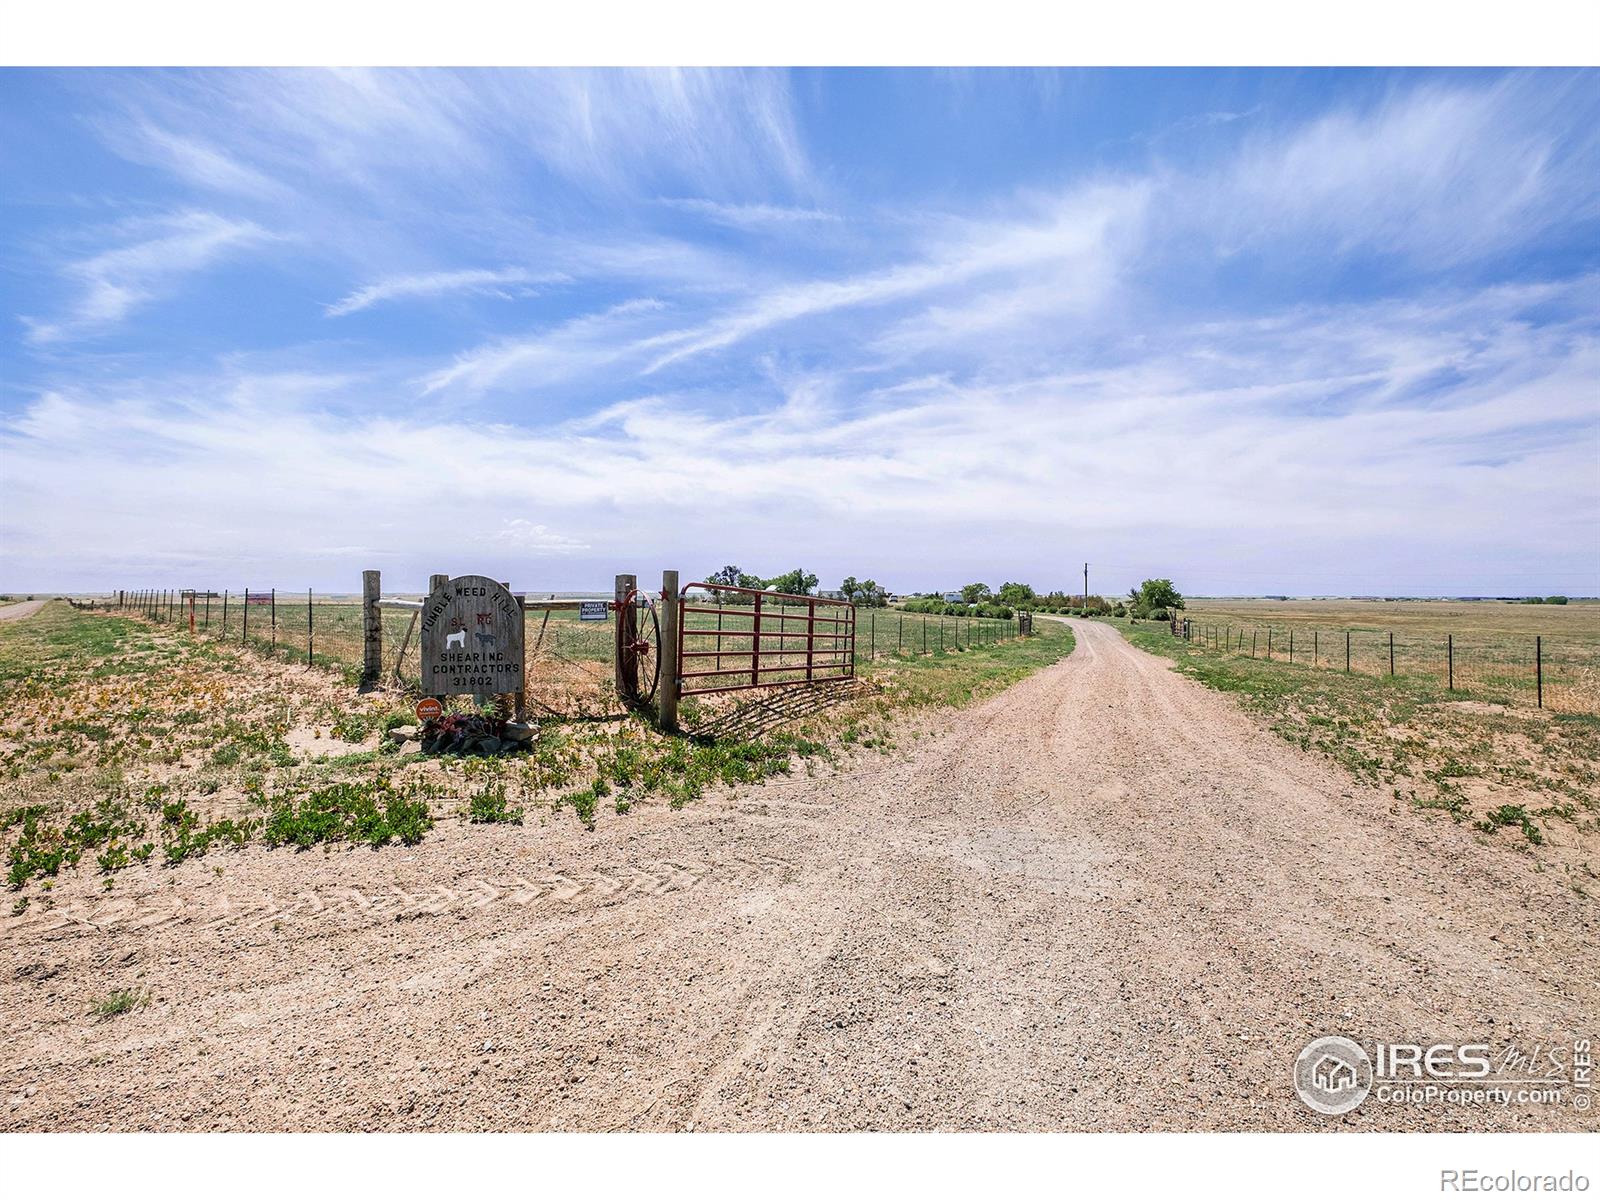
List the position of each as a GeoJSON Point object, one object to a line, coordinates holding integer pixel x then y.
{"type": "Point", "coordinates": [1104, 899]}
{"type": "Point", "coordinates": [23, 608]}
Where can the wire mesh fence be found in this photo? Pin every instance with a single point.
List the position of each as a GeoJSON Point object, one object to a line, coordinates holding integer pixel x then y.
{"type": "Point", "coordinates": [1559, 674]}
{"type": "Point", "coordinates": [570, 660]}
{"type": "Point", "coordinates": [889, 633]}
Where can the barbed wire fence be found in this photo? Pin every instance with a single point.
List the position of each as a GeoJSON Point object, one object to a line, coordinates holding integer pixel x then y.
{"type": "Point", "coordinates": [570, 660]}
{"type": "Point", "coordinates": [1562, 675]}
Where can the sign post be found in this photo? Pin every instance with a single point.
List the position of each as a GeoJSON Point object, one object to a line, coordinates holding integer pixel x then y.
{"type": "Point", "coordinates": [472, 639]}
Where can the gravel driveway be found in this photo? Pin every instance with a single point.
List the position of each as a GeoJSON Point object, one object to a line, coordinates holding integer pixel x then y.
{"type": "Point", "coordinates": [1102, 900]}
{"type": "Point", "coordinates": [23, 608]}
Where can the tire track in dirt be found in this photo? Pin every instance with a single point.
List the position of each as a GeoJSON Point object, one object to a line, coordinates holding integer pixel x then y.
{"type": "Point", "coordinates": [352, 905]}
{"type": "Point", "coordinates": [1103, 899]}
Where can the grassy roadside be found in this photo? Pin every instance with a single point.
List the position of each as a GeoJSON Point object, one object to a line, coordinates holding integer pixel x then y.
{"type": "Point", "coordinates": [124, 742]}
{"type": "Point", "coordinates": [1475, 758]}
{"type": "Point", "coordinates": [953, 680]}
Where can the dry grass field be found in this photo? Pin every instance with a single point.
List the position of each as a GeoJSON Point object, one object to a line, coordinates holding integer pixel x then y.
{"type": "Point", "coordinates": [570, 660]}
{"type": "Point", "coordinates": [1103, 876]}
{"type": "Point", "coordinates": [1493, 642]}
{"type": "Point", "coordinates": [124, 740]}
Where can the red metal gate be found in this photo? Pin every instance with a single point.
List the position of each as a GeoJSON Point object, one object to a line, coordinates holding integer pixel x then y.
{"type": "Point", "coordinates": [732, 638]}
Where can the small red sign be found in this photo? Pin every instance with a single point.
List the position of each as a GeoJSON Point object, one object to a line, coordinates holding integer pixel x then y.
{"type": "Point", "coordinates": [428, 709]}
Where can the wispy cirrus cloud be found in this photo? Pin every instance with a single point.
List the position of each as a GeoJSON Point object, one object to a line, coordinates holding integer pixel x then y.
{"type": "Point", "coordinates": [1323, 428]}
{"type": "Point", "coordinates": [504, 282]}
{"type": "Point", "coordinates": [111, 284]}
{"type": "Point", "coordinates": [1439, 173]}
{"type": "Point", "coordinates": [192, 159]}
{"type": "Point", "coordinates": [1348, 321]}
{"type": "Point", "coordinates": [724, 133]}
{"type": "Point", "coordinates": [752, 216]}
{"type": "Point", "coordinates": [581, 345]}
{"type": "Point", "coordinates": [1077, 235]}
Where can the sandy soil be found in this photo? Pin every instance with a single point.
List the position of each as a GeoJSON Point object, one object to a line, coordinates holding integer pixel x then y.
{"type": "Point", "coordinates": [23, 608]}
{"type": "Point", "coordinates": [1104, 899]}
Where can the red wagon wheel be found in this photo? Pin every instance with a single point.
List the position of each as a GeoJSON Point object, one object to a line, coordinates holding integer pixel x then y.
{"type": "Point", "coordinates": [639, 646]}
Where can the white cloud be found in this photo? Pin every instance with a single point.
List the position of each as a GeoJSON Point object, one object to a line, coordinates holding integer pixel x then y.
{"type": "Point", "coordinates": [752, 216]}
{"type": "Point", "coordinates": [1325, 434]}
{"type": "Point", "coordinates": [1441, 173]}
{"type": "Point", "coordinates": [439, 283]}
{"type": "Point", "coordinates": [114, 283]}
{"type": "Point", "coordinates": [718, 132]}
{"type": "Point", "coordinates": [918, 395]}
{"type": "Point", "coordinates": [729, 131]}
{"type": "Point", "coordinates": [1072, 246]}
{"type": "Point", "coordinates": [518, 533]}
{"type": "Point", "coordinates": [195, 161]}
{"type": "Point", "coordinates": [574, 347]}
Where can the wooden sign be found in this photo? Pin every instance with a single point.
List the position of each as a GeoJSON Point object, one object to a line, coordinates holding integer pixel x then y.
{"type": "Point", "coordinates": [593, 610]}
{"type": "Point", "coordinates": [471, 639]}
{"type": "Point", "coordinates": [428, 709]}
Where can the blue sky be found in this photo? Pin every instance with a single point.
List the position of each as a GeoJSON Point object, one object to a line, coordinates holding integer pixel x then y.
{"type": "Point", "coordinates": [1261, 331]}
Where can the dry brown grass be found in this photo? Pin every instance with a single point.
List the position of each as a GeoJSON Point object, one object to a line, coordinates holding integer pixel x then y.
{"type": "Point", "coordinates": [1494, 641]}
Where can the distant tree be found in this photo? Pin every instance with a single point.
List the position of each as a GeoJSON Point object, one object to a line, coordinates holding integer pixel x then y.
{"type": "Point", "coordinates": [1156, 593]}
{"type": "Point", "coordinates": [797, 582]}
{"type": "Point", "coordinates": [1018, 595]}
{"type": "Point", "coordinates": [975, 593]}
{"type": "Point", "coordinates": [866, 593]}
{"type": "Point", "coordinates": [1555, 599]}
{"type": "Point", "coordinates": [728, 576]}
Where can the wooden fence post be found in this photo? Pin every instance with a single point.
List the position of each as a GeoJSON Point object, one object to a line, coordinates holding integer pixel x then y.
{"type": "Point", "coordinates": [668, 690]}
{"type": "Point", "coordinates": [371, 628]}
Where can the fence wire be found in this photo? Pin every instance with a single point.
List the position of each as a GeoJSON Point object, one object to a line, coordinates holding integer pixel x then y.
{"type": "Point", "coordinates": [571, 668]}
{"type": "Point", "coordinates": [1559, 674]}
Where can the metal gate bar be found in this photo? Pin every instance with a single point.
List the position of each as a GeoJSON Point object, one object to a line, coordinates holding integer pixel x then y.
{"type": "Point", "coordinates": [825, 648]}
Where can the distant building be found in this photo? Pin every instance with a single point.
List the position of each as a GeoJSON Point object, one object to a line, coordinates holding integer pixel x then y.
{"type": "Point", "coordinates": [953, 598]}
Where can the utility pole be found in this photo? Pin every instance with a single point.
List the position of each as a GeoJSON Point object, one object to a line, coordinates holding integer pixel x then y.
{"type": "Point", "coordinates": [1085, 585]}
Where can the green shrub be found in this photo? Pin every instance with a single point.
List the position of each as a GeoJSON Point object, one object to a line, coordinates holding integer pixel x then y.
{"type": "Point", "coordinates": [1512, 814]}
{"type": "Point", "coordinates": [349, 812]}
{"type": "Point", "coordinates": [583, 804]}
{"type": "Point", "coordinates": [488, 807]}
{"type": "Point", "coordinates": [121, 1002]}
